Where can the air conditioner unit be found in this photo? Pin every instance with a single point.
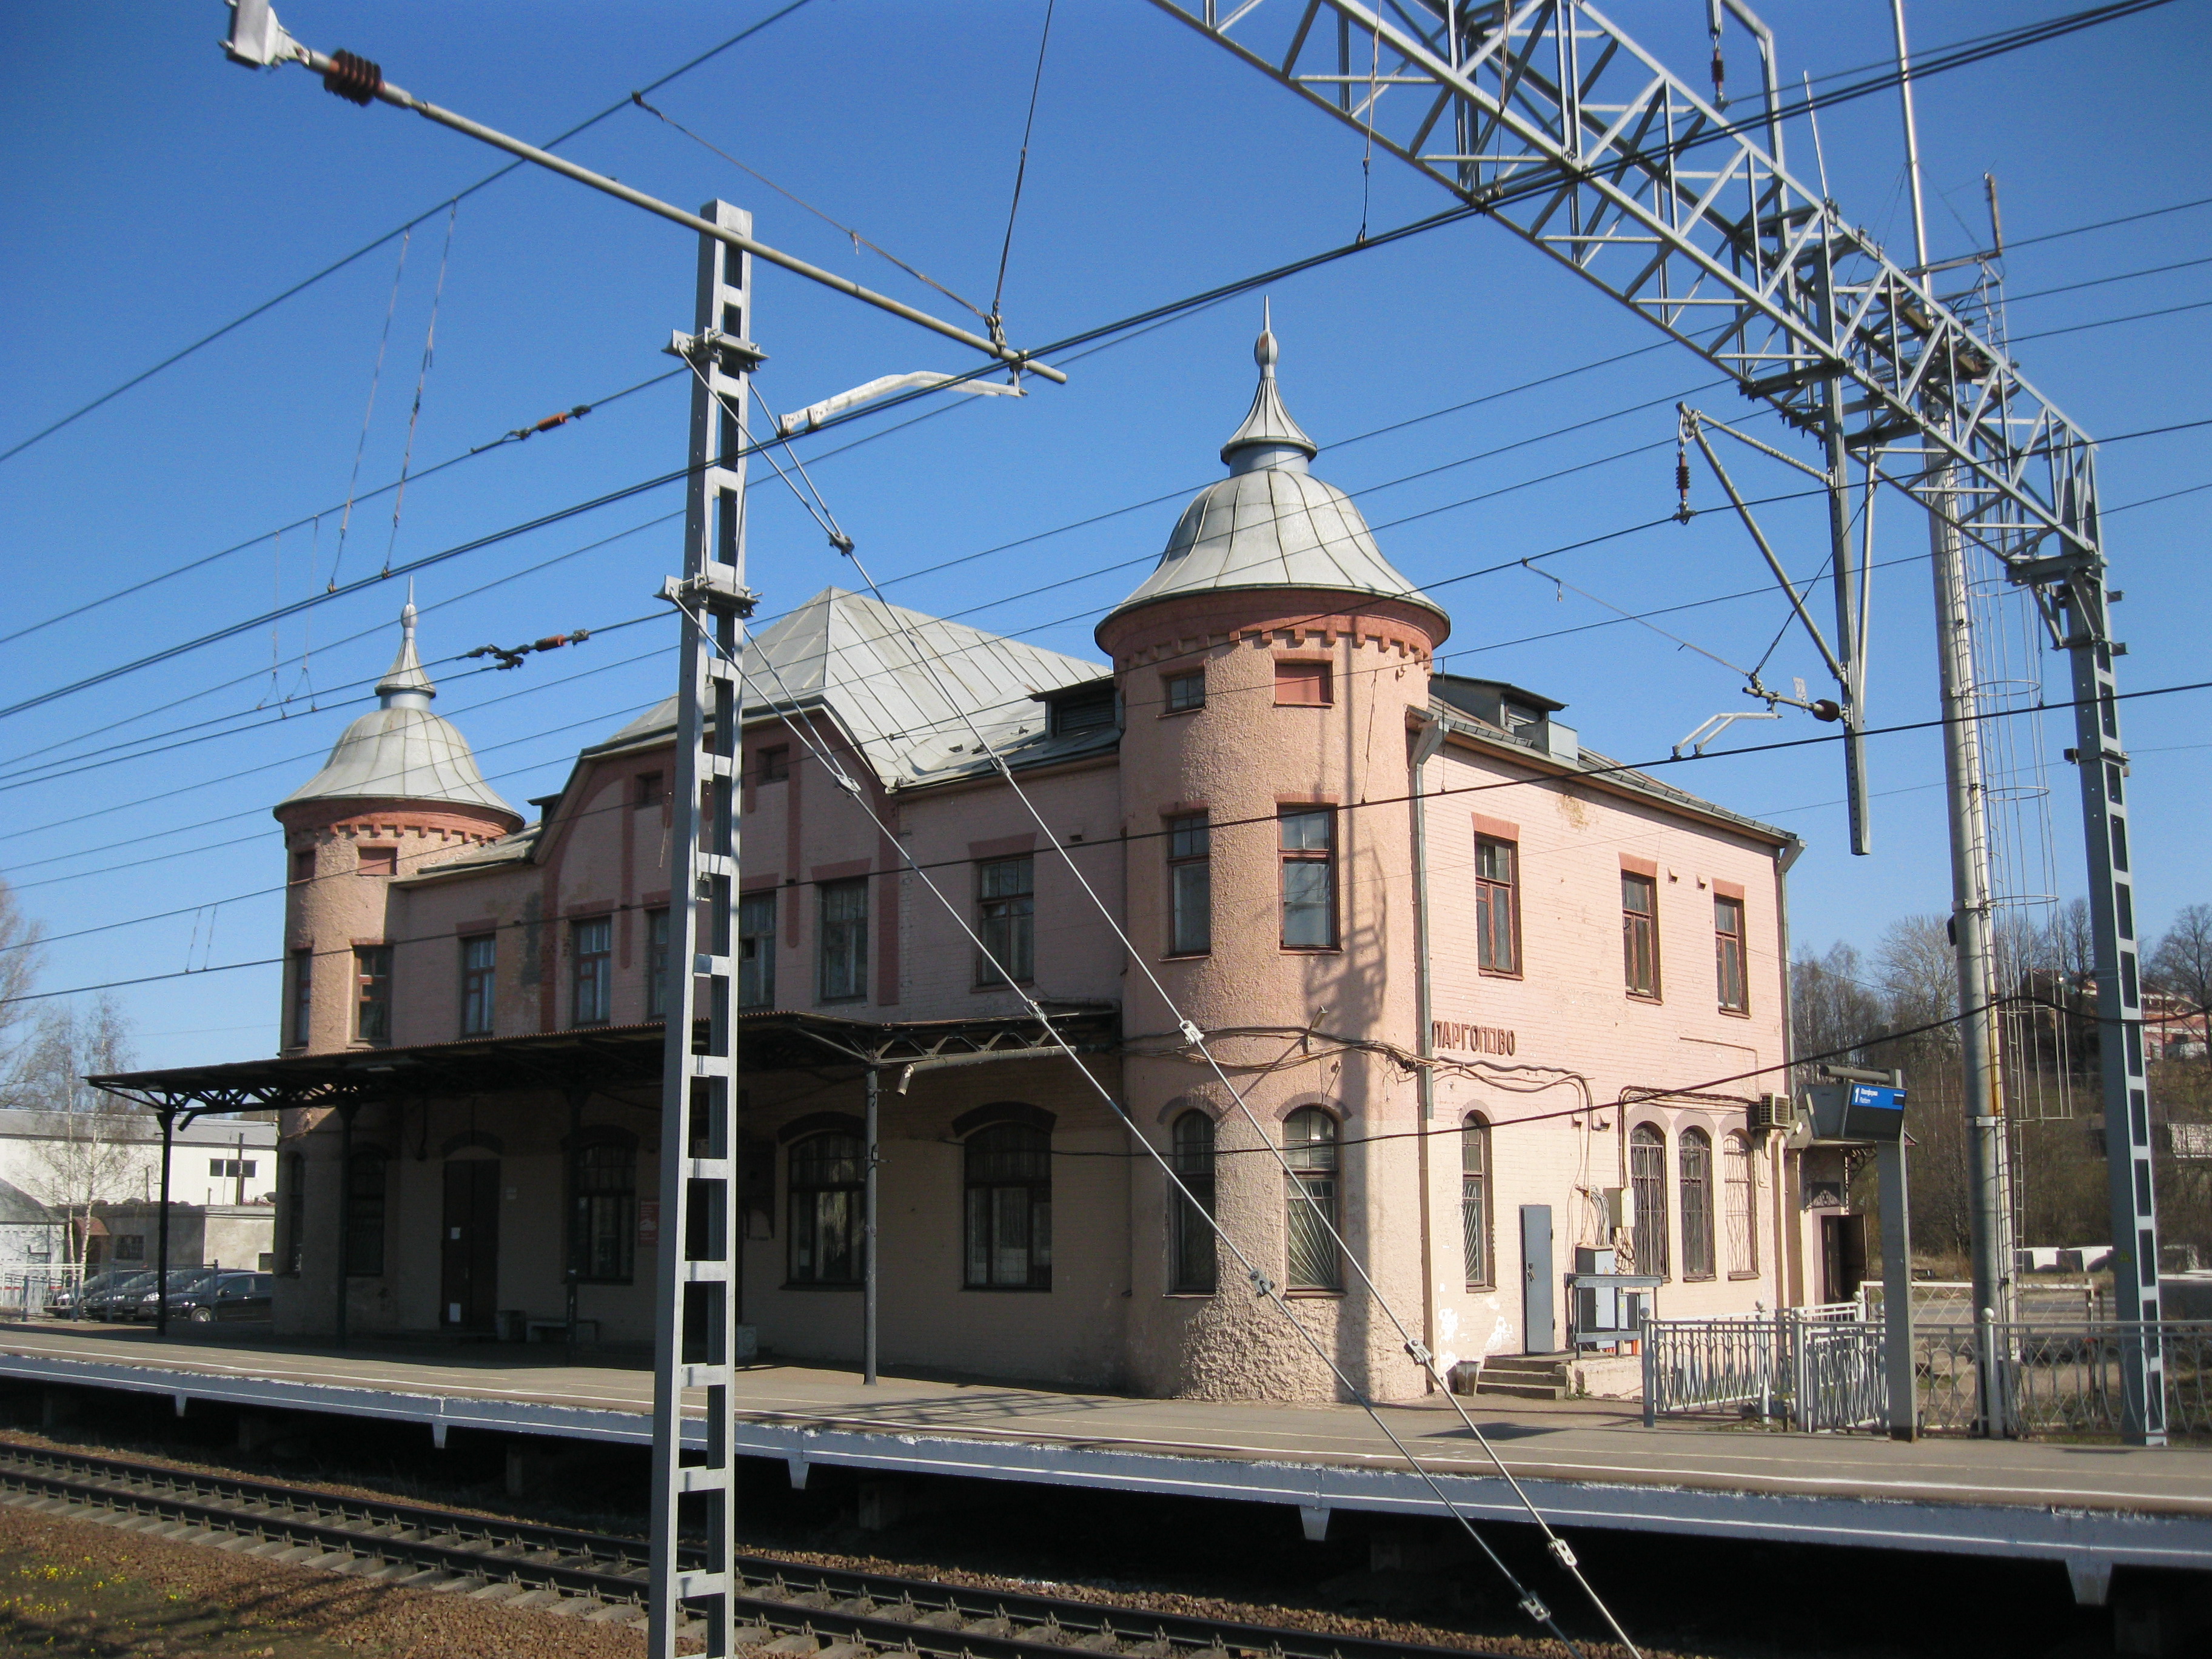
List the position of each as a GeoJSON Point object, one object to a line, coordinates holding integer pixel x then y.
{"type": "Point", "coordinates": [1774, 1112]}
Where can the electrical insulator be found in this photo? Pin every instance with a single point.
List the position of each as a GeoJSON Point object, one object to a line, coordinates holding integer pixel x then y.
{"type": "Point", "coordinates": [1682, 511]}
{"type": "Point", "coordinates": [1720, 81]}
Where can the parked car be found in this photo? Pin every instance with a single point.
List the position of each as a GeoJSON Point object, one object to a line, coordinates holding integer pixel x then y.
{"type": "Point", "coordinates": [67, 1301]}
{"type": "Point", "coordinates": [112, 1301]}
{"type": "Point", "coordinates": [181, 1279]}
{"type": "Point", "coordinates": [225, 1296]}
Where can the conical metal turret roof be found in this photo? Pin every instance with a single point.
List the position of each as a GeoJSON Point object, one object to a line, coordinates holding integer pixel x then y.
{"type": "Point", "coordinates": [1271, 524]}
{"type": "Point", "coordinates": [401, 751]}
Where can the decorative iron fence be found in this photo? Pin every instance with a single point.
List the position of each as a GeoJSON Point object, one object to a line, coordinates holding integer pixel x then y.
{"type": "Point", "coordinates": [1820, 1368]}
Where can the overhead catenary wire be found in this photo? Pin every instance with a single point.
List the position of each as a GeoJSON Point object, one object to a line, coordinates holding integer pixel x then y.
{"type": "Point", "coordinates": [1021, 174]}
{"type": "Point", "coordinates": [422, 380]}
{"type": "Point", "coordinates": [375, 377]}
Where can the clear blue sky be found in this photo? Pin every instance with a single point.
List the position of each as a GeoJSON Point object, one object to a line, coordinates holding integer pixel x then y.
{"type": "Point", "coordinates": [157, 191]}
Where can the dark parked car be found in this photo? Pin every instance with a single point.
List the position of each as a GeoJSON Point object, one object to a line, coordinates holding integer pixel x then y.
{"type": "Point", "coordinates": [67, 1301]}
{"type": "Point", "coordinates": [225, 1296]}
{"type": "Point", "coordinates": [181, 1279]}
{"type": "Point", "coordinates": [114, 1300]}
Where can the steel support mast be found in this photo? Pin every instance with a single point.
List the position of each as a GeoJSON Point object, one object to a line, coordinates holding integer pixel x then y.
{"type": "Point", "coordinates": [1546, 116]}
{"type": "Point", "coordinates": [695, 1325]}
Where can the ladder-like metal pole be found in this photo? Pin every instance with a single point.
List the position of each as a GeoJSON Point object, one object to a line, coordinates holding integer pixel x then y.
{"type": "Point", "coordinates": [696, 1318]}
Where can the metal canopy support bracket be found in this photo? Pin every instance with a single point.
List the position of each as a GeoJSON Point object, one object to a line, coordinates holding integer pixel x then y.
{"type": "Point", "coordinates": [694, 1332]}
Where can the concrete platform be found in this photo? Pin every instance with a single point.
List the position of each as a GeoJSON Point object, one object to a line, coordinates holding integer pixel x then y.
{"type": "Point", "coordinates": [1584, 1463]}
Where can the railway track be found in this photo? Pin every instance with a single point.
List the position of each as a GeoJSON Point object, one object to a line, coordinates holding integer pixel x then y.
{"type": "Point", "coordinates": [834, 1612]}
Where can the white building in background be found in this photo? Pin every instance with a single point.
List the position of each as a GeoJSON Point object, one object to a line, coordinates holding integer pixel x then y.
{"type": "Point", "coordinates": [68, 1163]}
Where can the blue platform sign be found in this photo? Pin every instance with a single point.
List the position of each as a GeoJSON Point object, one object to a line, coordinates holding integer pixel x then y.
{"type": "Point", "coordinates": [1873, 1111]}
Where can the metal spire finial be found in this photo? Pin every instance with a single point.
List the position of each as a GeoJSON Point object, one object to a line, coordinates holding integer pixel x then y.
{"type": "Point", "coordinates": [1264, 351]}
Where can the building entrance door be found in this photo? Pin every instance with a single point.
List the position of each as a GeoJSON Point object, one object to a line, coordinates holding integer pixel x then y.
{"type": "Point", "coordinates": [468, 1285]}
{"type": "Point", "coordinates": [1843, 1256]}
{"type": "Point", "coordinates": [1538, 1331]}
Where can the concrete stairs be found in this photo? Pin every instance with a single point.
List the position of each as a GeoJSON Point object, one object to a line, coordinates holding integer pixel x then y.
{"type": "Point", "coordinates": [1524, 1376]}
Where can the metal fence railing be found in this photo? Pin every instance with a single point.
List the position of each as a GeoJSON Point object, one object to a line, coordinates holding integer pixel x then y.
{"type": "Point", "coordinates": [25, 1287]}
{"type": "Point", "coordinates": [1820, 1368]}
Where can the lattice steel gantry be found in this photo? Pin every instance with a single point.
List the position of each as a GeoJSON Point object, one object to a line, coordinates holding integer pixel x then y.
{"type": "Point", "coordinates": [1546, 117]}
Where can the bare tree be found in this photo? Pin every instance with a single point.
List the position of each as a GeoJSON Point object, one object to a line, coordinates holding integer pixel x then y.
{"type": "Point", "coordinates": [2181, 963]}
{"type": "Point", "coordinates": [1833, 1011]}
{"type": "Point", "coordinates": [19, 971]}
{"type": "Point", "coordinates": [1918, 974]}
{"type": "Point", "coordinates": [84, 1156]}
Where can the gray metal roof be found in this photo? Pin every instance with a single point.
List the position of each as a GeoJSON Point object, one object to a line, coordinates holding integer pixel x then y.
{"type": "Point", "coordinates": [400, 751]}
{"type": "Point", "coordinates": [18, 1208]}
{"type": "Point", "coordinates": [861, 661]}
{"type": "Point", "coordinates": [1271, 523]}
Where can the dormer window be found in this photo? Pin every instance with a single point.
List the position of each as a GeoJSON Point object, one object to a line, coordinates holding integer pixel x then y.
{"type": "Point", "coordinates": [1088, 709]}
{"type": "Point", "coordinates": [1520, 715]}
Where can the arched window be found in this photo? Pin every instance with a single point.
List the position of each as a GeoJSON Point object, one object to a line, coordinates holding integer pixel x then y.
{"type": "Point", "coordinates": [603, 1238]}
{"type": "Point", "coordinates": [1009, 1209]}
{"type": "Point", "coordinates": [1309, 1145]}
{"type": "Point", "coordinates": [1697, 1163]}
{"type": "Point", "coordinates": [364, 1212]}
{"type": "Point", "coordinates": [1190, 1233]}
{"type": "Point", "coordinates": [1647, 1181]}
{"type": "Point", "coordinates": [1474, 1199]}
{"type": "Point", "coordinates": [829, 1173]}
{"type": "Point", "coordinates": [1740, 1175]}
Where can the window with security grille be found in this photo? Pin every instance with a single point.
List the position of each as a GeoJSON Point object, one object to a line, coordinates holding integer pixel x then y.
{"type": "Point", "coordinates": [829, 1176]}
{"type": "Point", "coordinates": [592, 944]}
{"type": "Point", "coordinates": [293, 1183]}
{"type": "Point", "coordinates": [1309, 1138]}
{"type": "Point", "coordinates": [1474, 1201]}
{"type": "Point", "coordinates": [372, 965]}
{"type": "Point", "coordinates": [657, 935]}
{"type": "Point", "coordinates": [756, 950]}
{"type": "Point", "coordinates": [1639, 934]}
{"type": "Point", "coordinates": [1496, 906]}
{"type": "Point", "coordinates": [1308, 860]}
{"type": "Point", "coordinates": [1190, 885]}
{"type": "Point", "coordinates": [844, 940]}
{"type": "Point", "coordinates": [303, 1001]}
{"type": "Point", "coordinates": [479, 959]}
{"type": "Point", "coordinates": [603, 1238]}
{"type": "Point", "coordinates": [1728, 954]}
{"type": "Point", "coordinates": [1696, 1156]}
{"type": "Point", "coordinates": [1191, 1267]}
{"type": "Point", "coordinates": [1006, 920]}
{"type": "Point", "coordinates": [1009, 1208]}
{"type": "Point", "coordinates": [1741, 1187]}
{"type": "Point", "coordinates": [1647, 1182]}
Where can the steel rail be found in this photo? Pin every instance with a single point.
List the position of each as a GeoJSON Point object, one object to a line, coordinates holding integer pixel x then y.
{"type": "Point", "coordinates": [883, 1610]}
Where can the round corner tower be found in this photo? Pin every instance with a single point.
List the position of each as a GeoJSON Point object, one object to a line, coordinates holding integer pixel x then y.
{"type": "Point", "coordinates": [400, 789]}
{"type": "Point", "coordinates": [1272, 667]}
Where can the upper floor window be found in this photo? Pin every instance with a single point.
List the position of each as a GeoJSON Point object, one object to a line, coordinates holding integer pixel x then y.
{"type": "Point", "coordinates": [1697, 1161]}
{"type": "Point", "coordinates": [303, 1001]}
{"type": "Point", "coordinates": [1497, 905]}
{"type": "Point", "coordinates": [756, 950]}
{"type": "Point", "coordinates": [1185, 691]}
{"type": "Point", "coordinates": [603, 1230]}
{"type": "Point", "coordinates": [1191, 1267]}
{"type": "Point", "coordinates": [1647, 1182]}
{"type": "Point", "coordinates": [1086, 710]}
{"type": "Point", "coordinates": [657, 937]}
{"type": "Point", "coordinates": [591, 944]}
{"type": "Point", "coordinates": [366, 1177]}
{"type": "Point", "coordinates": [380, 861]}
{"type": "Point", "coordinates": [1303, 685]}
{"type": "Point", "coordinates": [1728, 954]}
{"type": "Point", "coordinates": [1639, 934]}
{"type": "Point", "coordinates": [372, 965]}
{"type": "Point", "coordinates": [828, 1175]}
{"type": "Point", "coordinates": [1190, 884]}
{"type": "Point", "coordinates": [1308, 858]}
{"type": "Point", "coordinates": [1006, 920]}
{"type": "Point", "coordinates": [844, 942]}
{"type": "Point", "coordinates": [1474, 1201]}
{"type": "Point", "coordinates": [1310, 1148]}
{"type": "Point", "coordinates": [292, 1187]}
{"type": "Point", "coordinates": [1740, 1175]}
{"type": "Point", "coordinates": [303, 866]}
{"type": "Point", "coordinates": [232, 1168]}
{"type": "Point", "coordinates": [772, 762]}
{"type": "Point", "coordinates": [1009, 1208]}
{"type": "Point", "coordinates": [479, 958]}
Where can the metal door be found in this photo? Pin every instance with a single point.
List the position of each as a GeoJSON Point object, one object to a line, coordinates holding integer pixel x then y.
{"type": "Point", "coordinates": [468, 1285]}
{"type": "Point", "coordinates": [1538, 1330]}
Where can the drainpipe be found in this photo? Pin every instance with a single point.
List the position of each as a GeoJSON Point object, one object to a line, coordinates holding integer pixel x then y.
{"type": "Point", "coordinates": [1429, 739]}
{"type": "Point", "coordinates": [161, 1258]}
{"type": "Point", "coordinates": [1788, 1245]}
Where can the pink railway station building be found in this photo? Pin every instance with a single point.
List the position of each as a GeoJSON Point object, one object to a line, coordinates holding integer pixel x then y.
{"type": "Point", "coordinates": [1532, 1017]}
